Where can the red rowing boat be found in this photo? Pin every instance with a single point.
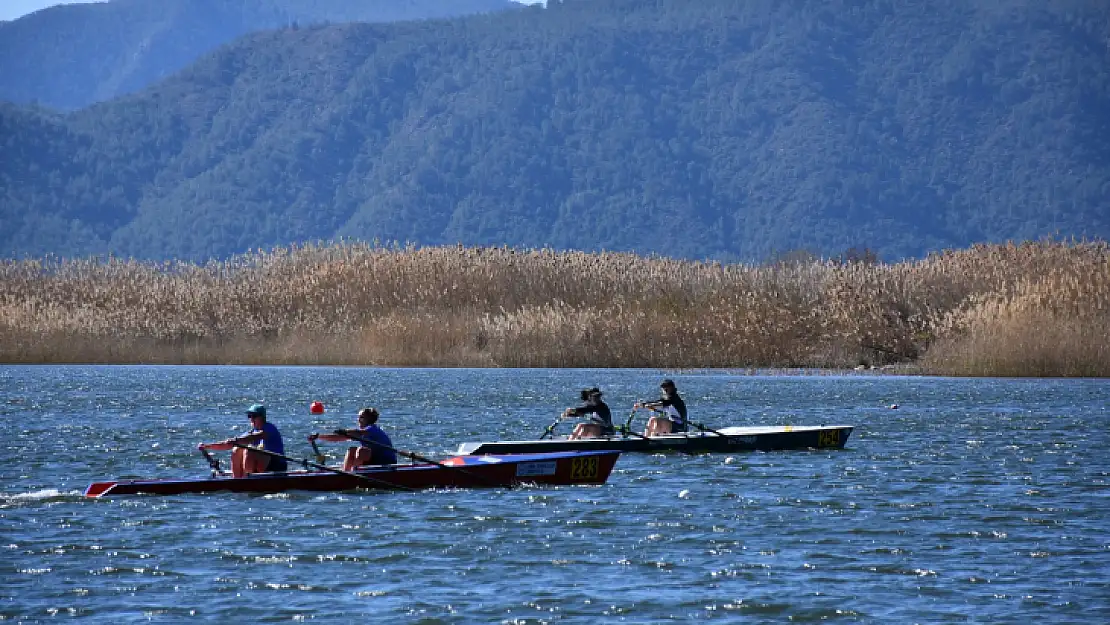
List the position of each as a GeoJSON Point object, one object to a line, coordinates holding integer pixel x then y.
{"type": "Point", "coordinates": [492, 471]}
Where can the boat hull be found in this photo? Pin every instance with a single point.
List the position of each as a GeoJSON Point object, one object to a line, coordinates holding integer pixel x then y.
{"type": "Point", "coordinates": [564, 468]}
{"type": "Point", "coordinates": [772, 438]}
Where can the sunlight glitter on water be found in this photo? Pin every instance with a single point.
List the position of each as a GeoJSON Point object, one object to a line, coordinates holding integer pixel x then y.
{"type": "Point", "coordinates": [911, 522]}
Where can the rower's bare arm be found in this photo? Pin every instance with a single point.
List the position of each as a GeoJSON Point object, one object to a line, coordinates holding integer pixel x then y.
{"type": "Point", "coordinates": [223, 445]}
{"type": "Point", "coordinates": [230, 443]}
{"type": "Point", "coordinates": [329, 438]}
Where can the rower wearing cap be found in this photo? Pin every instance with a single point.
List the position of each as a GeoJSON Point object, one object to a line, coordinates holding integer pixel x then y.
{"type": "Point", "coordinates": [673, 419]}
{"type": "Point", "coordinates": [601, 421]}
{"type": "Point", "coordinates": [376, 447]}
{"type": "Point", "coordinates": [263, 435]}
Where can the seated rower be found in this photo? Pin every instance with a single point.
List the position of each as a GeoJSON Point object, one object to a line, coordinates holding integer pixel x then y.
{"type": "Point", "coordinates": [263, 435]}
{"type": "Point", "coordinates": [673, 409]}
{"type": "Point", "coordinates": [600, 424]}
{"type": "Point", "coordinates": [375, 445]}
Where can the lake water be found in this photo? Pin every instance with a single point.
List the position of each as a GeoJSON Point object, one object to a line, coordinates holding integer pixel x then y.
{"type": "Point", "coordinates": [975, 500]}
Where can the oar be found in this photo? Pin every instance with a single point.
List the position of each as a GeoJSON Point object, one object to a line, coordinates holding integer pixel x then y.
{"type": "Point", "coordinates": [551, 428]}
{"type": "Point", "coordinates": [416, 457]}
{"type": "Point", "coordinates": [705, 428]}
{"type": "Point", "coordinates": [304, 462]}
{"type": "Point", "coordinates": [212, 462]}
{"type": "Point", "coordinates": [316, 450]}
{"type": "Point", "coordinates": [628, 430]}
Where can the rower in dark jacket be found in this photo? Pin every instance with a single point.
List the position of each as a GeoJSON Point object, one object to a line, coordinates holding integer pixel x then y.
{"type": "Point", "coordinates": [673, 409]}
{"type": "Point", "coordinates": [601, 419]}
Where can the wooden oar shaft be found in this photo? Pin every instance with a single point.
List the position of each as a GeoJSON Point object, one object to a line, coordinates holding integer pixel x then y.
{"type": "Point", "coordinates": [307, 463]}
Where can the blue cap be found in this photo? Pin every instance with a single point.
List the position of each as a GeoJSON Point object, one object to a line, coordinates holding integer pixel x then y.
{"type": "Point", "coordinates": [257, 409]}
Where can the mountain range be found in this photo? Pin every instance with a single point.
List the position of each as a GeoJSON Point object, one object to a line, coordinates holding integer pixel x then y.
{"type": "Point", "coordinates": [70, 56]}
{"type": "Point", "coordinates": [688, 128]}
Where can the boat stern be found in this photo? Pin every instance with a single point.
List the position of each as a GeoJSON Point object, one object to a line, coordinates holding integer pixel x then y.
{"type": "Point", "coordinates": [99, 489]}
{"type": "Point", "coordinates": [465, 449]}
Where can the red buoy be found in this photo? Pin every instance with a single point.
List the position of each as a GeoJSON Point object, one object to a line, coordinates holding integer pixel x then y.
{"type": "Point", "coordinates": [316, 408]}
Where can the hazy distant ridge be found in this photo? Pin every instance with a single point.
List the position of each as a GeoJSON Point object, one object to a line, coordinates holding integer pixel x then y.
{"type": "Point", "coordinates": [70, 56]}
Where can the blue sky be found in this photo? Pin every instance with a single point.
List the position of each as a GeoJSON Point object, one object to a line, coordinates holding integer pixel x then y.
{"type": "Point", "coordinates": [11, 9]}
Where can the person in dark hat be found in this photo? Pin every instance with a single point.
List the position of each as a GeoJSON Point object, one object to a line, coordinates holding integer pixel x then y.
{"type": "Point", "coordinates": [670, 411]}
{"type": "Point", "coordinates": [376, 447]}
{"type": "Point", "coordinates": [601, 419]}
{"type": "Point", "coordinates": [263, 435]}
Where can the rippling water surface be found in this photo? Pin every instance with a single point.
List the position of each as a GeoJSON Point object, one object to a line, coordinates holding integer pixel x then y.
{"type": "Point", "coordinates": [973, 501]}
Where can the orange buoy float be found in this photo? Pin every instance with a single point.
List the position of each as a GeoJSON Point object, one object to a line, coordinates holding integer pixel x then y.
{"type": "Point", "coordinates": [316, 408]}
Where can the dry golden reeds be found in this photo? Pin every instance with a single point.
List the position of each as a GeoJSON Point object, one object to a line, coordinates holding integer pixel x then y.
{"type": "Point", "coordinates": [1030, 309]}
{"type": "Point", "coordinates": [1053, 320]}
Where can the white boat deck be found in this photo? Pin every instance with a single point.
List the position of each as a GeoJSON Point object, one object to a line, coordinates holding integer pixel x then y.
{"type": "Point", "coordinates": [742, 430]}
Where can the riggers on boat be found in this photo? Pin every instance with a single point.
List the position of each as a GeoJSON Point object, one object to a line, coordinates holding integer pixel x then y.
{"type": "Point", "coordinates": [493, 471]}
{"type": "Point", "coordinates": [748, 438]}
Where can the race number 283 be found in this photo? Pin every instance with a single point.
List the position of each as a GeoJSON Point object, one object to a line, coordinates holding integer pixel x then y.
{"type": "Point", "coordinates": [583, 468]}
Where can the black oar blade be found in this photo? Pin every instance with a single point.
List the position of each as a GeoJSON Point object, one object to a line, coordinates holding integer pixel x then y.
{"type": "Point", "coordinates": [550, 430]}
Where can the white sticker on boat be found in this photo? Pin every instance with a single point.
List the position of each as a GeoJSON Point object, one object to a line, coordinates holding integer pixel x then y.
{"type": "Point", "coordinates": [536, 468]}
{"type": "Point", "coordinates": [490, 459]}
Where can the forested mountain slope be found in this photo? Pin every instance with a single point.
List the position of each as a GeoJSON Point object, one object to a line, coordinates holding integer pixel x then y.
{"type": "Point", "coordinates": [707, 128]}
{"type": "Point", "coordinates": [70, 56]}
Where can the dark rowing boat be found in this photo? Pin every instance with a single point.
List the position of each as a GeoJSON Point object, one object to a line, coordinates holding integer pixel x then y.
{"type": "Point", "coordinates": [750, 438]}
{"type": "Point", "coordinates": [560, 468]}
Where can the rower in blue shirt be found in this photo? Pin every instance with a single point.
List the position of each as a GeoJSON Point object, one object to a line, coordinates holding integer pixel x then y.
{"type": "Point", "coordinates": [263, 435]}
{"type": "Point", "coordinates": [376, 447]}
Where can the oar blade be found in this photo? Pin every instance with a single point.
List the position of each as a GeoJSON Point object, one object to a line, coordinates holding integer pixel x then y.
{"type": "Point", "coordinates": [550, 430]}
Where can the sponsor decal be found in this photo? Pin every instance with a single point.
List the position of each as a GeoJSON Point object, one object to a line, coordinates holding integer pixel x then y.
{"type": "Point", "coordinates": [525, 469]}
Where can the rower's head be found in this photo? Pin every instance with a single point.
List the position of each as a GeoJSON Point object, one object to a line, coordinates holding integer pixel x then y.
{"type": "Point", "coordinates": [257, 412]}
{"type": "Point", "coordinates": [667, 387]}
{"type": "Point", "coordinates": [368, 416]}
{"type": "Point", "coordinates": [593, 394]}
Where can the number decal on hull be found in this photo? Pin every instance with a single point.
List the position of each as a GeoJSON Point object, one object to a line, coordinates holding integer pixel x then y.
{"type": "Point", "coordinates": [584, 468]}
{"type": "Point", "coordinates": [828, 438]}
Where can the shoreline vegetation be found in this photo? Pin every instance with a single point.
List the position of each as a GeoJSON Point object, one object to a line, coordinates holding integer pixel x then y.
{"type": "Point", "coordinates": [1031, 309]}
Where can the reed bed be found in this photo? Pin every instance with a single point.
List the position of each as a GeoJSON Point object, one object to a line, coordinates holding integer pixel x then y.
{"type": "Point", "coordinates": [1030, 309]}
